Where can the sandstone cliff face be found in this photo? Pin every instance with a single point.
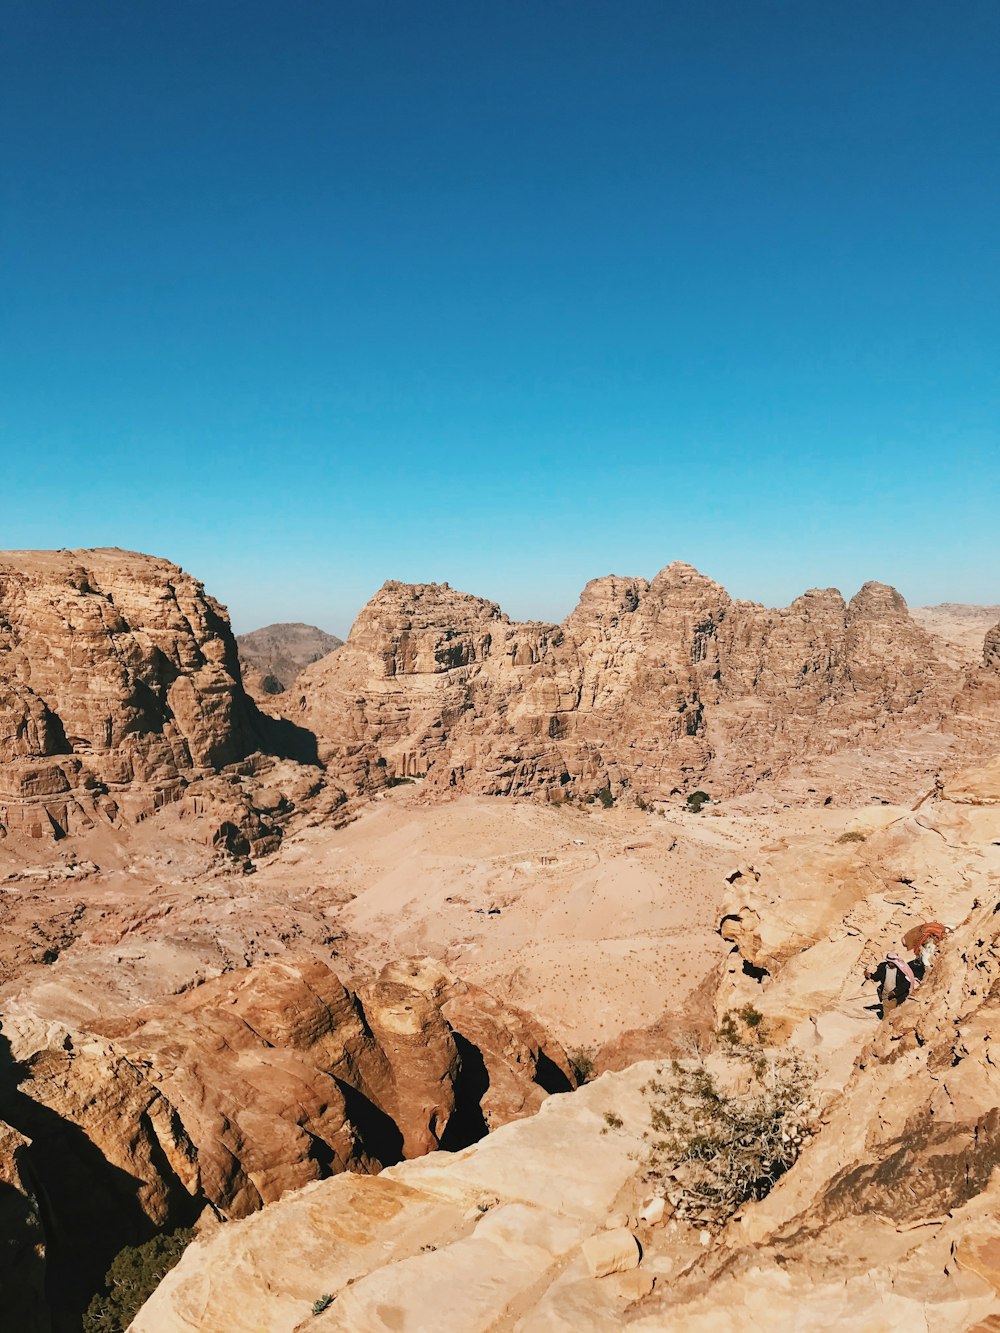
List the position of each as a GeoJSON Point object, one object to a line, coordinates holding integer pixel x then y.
{"type": "Point", "coordinates": [386, 703]}
{"type": "Point", "coordinates": [991, 647]}
{"type": "Point", "coordinates": [251, 1084]}
{"type": "Point", "coordinates": [22, 1239]}
{"type": "Point", "coordinates": [645, 687]}
{"type": "Point", "coordinates": [119, 688]}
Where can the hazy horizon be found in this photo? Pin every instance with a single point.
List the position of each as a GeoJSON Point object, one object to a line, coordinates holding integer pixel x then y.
{"type": "Point", "coordinates": [309, 297]}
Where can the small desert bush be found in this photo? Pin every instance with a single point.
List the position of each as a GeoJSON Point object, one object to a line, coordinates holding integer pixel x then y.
{"type": "Point", "coordinates": [581, 1063]}
{"type": "Point", "coordinates": [742, 1028]}
{"type": "Point", "coordinates": [134, 1275]}
{"type": "Point", "coordinates": [320, 1305]}
{"type": "Point", "coordinates": [852, 835]}
{"type": "Point", "coordinates": [605, 797]}
{"type": "Point", "coordinates": [713, 1151]}
{"type": "Point", "coordinates": [696, 800]}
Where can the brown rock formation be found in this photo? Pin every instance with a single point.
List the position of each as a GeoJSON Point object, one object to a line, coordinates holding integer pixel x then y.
{"type": "Point", "coordinates": [22, 1240]}
{"type": "Point", "coordinates": [273, 656]}
{"type": "Point", "coordinates": [249, 1085]}
{"type": "Point", "coordinates": [991, 647]}
{"type": "Point", "coordinates": [385, 704]}
{"type": "Point", "coordinates": [120, 689]}
{"type": "Point", "coordinates": [646, 687]}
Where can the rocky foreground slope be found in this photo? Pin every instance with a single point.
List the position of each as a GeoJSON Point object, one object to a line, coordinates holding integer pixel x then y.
{"type": "Point", "coordinates": [229, 1094]}
{"type": "Point", "coordinates": [646, 688]}
{"type": "Point", "coordinates": [888, 1220]}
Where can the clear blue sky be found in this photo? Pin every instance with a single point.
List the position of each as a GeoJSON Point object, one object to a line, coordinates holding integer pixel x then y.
{"type": "Point", "coordinates": [310, 294]}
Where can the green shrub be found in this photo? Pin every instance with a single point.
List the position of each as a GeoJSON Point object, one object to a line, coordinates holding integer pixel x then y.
{"type": "Point", "coordinates": [605, 798]}
{"type": "Point", "coordinates": [696, 800]}
{"type": "Point", "coordinates": [320, 1305]}
{"type": "Point", "coordinates": [134, 1275]}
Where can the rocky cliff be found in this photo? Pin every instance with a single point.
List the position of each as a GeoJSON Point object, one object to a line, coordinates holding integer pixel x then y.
{"type": "Point", "coordinates": [237, 1090]}
{"type": "Point", "coordinates": [273, 656]}
{"type": "Point", "coordinates": [120, 692]}
{"type": "Point", "coordinates": [645, 688]}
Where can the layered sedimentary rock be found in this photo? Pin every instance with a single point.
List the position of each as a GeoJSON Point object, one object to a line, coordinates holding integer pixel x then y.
{"type": "Point", "coordinates": [414, 666]}
{"type": "Point", "coordinates": [119, 686]}
{"type": "Point", "coordinates": [253, 1083]}
{"type": "Point", "coordinates": [646, 687]}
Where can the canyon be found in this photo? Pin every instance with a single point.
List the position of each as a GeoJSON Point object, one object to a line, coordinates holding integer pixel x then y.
{"type": "Point", "coordinates": [348, 977]}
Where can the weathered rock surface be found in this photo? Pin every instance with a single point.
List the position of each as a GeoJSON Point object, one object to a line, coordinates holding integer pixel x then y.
{"type": "Point", "coordinates": [646, 687]}
{"type": "Point", "coordinates": [251, 1084]}
{"type": "Point", "coordinates": [120, 693]}
{"type": "Point", "coordinates": [22, 1239]}
{"type": "Point", "coordinates": [273, 656]}
{"type": "Point", "coordinates": [887, 1220]}
{"type": "Point", "coordinates": [490, 1226]}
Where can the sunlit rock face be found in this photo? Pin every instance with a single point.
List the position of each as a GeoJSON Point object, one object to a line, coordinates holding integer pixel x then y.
{"type": "Point", "coordinates": [119, 679]}
{"type": "Point", "coordinates": [644, 688]}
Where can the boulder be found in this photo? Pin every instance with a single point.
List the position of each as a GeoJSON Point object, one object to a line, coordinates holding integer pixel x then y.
{"type": "Point", "coordinates": [611, 1252]}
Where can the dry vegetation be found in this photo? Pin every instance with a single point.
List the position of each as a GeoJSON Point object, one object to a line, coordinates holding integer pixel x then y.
{"type": "Point", "coordinates": [720, 1140]}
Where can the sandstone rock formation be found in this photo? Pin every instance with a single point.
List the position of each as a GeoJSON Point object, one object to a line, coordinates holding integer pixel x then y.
{"type": "Point", "coordinates": [273, 656]}
{"type": "Point", "coordinates": [120, 690]}
{"type": "Point", "coordinates": [646, 688]}
{"type": "Point", "coordinates": [22, 1239]}
{"type": "Point", "coordinates": [991, 647]}
{"type": "Point", "coordinates": [491, 1227]}
{"type": "Point", "coordinates": [251, 1084]}
{"type": "Point", "coordinates": [887, 1220]}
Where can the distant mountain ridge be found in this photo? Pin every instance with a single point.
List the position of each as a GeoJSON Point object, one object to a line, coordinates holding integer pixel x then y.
{"type": "Point", "coordinates": [277, 653]}
{"type": "Point", "coordinates": [646, 688]}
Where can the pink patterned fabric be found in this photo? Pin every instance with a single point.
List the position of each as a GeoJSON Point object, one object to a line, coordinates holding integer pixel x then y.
{"type": "Point", "coordinates": [900, 963]}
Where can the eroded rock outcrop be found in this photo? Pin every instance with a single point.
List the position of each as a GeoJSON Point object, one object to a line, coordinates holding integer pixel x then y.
{"type": "Point", "coordinates": [22, 1239]}
{"type": "Point", "coordinates": [272, 657]}
{"type": "Point", "coordinates": [120, 693]}
{"type": "Point", "coordinates": [253, 1083]}
{"type": "Point", "coordinates": [646, 687]}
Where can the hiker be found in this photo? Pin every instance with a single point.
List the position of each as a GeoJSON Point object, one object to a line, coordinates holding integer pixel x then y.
{"type": "Point", "coordinates": [895, 978]}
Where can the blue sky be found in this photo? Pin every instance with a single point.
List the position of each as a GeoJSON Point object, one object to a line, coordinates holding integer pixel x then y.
{"type": "Point", "coordinates": [309, 295]}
